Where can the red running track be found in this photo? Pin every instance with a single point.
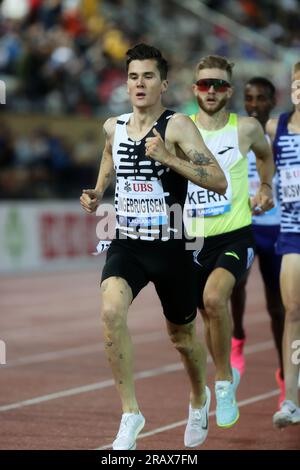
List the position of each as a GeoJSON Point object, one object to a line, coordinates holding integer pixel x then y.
{"type": "Point", "coordinates": [57, 391]}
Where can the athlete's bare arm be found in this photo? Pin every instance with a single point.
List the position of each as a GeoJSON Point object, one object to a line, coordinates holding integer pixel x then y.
{"type": "Point", "coordinates": [91, 198]}
{"type": "Point", "coordinates": [252, 137]}
{"type": "Point", "coordinates": [263, 152]}
{"type": "Point", "coordinates": [197, 164]}
{"type": "Point", "coordinates": [271, 128]}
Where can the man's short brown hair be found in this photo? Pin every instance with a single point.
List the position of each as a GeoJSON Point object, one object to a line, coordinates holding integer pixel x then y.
{"type": "Point", "coordinates": [215, 62]}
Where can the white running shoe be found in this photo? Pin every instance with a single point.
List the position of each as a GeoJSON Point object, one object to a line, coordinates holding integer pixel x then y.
{"type": "Point", "coordinates": [130, 426]}
{"type": "Point", "coordinates": [288, 414]}
{"type": "Point", "coordinates": [197, 426]}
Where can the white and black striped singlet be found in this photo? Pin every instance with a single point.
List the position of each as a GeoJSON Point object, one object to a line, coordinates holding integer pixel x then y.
{"type": "Point", "coordinates": [145, 189]}
{"type": "Point", "coordinates": [287, 158]}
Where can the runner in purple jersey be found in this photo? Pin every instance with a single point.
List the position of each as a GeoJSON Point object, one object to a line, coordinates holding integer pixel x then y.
{"type": "Point", "coordinates": [285, 134]}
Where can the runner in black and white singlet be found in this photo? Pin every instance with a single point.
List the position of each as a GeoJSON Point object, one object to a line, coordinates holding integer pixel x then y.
{"type": "Point", "coordinates": [145, 188]}
{"type": "Point", "coordinates": [259, 100]}
{"type": "Point", "coordinates": [153, 152]}
{"type": "Point", "coordinates": [285, 134]}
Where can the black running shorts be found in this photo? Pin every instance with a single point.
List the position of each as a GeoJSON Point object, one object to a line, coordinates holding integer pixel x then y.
{"type": "Point", "coordinates": [167, 264]}
{"type": "Point", "coordinates": [233, 251]}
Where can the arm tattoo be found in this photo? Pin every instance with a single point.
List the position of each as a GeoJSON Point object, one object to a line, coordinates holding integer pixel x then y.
{"type": "Point", "coordinates": [200, 158]}
{"type": "Point", "coordinates": [204, 175]}
{"type": "Point", "coordinates": [198, 171]}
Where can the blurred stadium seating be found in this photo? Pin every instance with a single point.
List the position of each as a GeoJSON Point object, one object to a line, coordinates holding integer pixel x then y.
{"type": "Point", "coordinates": [66, 57]}
{"type": "Point", "coordinates": [62, 64]}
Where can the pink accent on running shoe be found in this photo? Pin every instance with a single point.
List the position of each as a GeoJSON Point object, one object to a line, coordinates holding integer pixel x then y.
{"type": "Point", "coordinates": [237, 358]}
{"type": "Point", "coordinates": [281, 385]}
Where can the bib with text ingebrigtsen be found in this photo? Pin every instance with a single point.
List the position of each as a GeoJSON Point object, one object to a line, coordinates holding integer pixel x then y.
{"type": "Point", "coordinates": [141, 203]}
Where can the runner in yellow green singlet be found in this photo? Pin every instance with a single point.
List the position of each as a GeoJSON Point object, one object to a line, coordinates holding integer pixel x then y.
{"type": "Point", "coordinates": [225, 220]}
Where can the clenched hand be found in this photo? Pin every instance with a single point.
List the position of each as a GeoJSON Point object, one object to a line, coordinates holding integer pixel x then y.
{"type": "Point", "coordinates": [262, 201]}
{"type": "Point", "coordinates": [156, 149]}
{"type": "Point", "coordinates": [90, 199]}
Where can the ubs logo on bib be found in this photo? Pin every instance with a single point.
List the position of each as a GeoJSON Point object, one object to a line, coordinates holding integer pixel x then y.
{"type": "Point", "coordinates": [142, 187]}
{"type": "Point", "coordinates": [127, 187]}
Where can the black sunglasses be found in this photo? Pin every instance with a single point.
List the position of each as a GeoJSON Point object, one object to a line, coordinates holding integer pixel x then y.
{"type": "Point", "coordinates": [204, 84]}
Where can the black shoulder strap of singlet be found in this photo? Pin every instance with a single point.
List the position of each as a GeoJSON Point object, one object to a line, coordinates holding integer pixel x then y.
{"type": "Point", "coordinates": [162, 122]}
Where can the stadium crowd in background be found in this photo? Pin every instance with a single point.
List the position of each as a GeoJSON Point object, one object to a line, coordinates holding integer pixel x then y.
{"type": "Point", "coordinates": [65, 57]}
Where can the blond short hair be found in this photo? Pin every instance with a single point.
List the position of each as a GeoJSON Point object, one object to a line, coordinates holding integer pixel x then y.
{"type": "Point", "coordinates": [296, 68]}
{"type": "Point", "coordinates": [215, 62]}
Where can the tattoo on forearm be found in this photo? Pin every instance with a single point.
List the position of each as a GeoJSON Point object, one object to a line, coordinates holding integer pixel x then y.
{"type": "Point", "coordinates": [194, 170]}
{"type": "Point", "coordinates": [202, 173]}
{"type": "Point", "coordinates": [200, 158]}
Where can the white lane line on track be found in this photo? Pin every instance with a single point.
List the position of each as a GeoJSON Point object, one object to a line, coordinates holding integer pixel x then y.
{"type": "Point", "coordinates": [79, 351]}
{"type": "Point", "coordinates": [96, 347]}
{"type": "Point", "coordinates": [247, 401]}
{"type": "Point", "coordinates": [264, 346]}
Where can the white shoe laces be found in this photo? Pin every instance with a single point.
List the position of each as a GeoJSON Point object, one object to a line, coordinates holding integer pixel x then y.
{"type": "Point", "coordinates": [224, 396]}
{"type": "Point", "coordinates": [196, 416]}
{"type": "Point", "coordinates": [125, 423]}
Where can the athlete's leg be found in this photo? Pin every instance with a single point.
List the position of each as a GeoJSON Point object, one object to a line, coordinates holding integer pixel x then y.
{"type": "Point", "coordinates": [193, 355]}
{"type": "Point", "coordinates": [216, 296]}
{"type": "Point", "coordinates": [116, 298]}
{"type": "Point", "coordinates": [276, 311]}
{"type": "Point", "coordinates": [269, 264]}
{"type": "Point", "coordinates": [206, 324]}
{"type": "Point", "coordinates": [238, 304]}
{"type": "Point", "coordinates": [290, 282]}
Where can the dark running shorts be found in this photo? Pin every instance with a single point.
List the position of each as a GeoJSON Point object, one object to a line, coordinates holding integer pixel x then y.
{"type": "Point", "coordinates": [288, 243]}
{"type": "Point", "coordinates": [233, 251]}
{"type": "Point", "coordinates": [269, 261]}
{"type": "Point", "coordinates": [167, 264]}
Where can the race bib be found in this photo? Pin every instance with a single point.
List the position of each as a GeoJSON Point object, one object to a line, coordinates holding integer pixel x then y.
{"type": "Point", "coordinates": [102, 246]}
{"type": "Point", "coordinates": [290, 183]}
{"type": "Point", "coordinates": [201, 202]}
{"type": "Point", "coordinates": [141, 203]}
